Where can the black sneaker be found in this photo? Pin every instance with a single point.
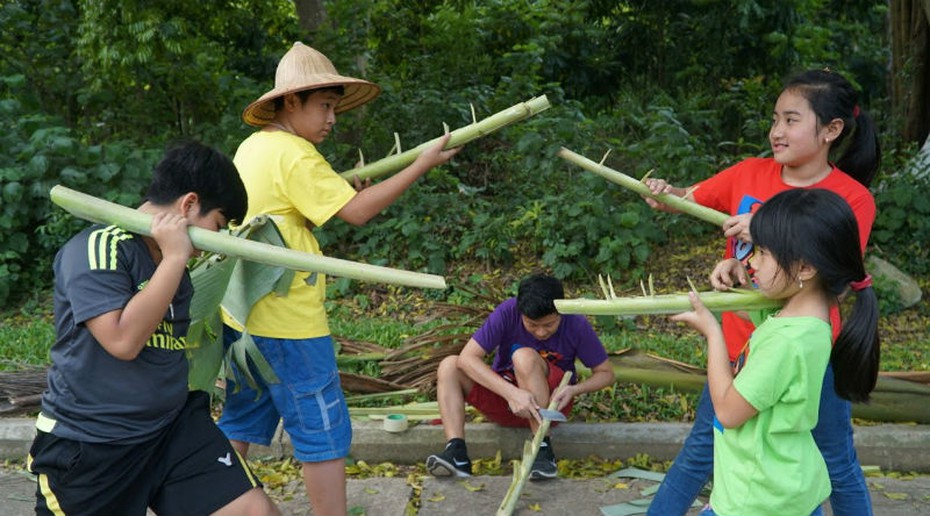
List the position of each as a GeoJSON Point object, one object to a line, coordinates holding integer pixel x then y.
{"type": "Point", "coordinates": [452, 462]}
{"type": "Point", "coordinates": [544, 467]}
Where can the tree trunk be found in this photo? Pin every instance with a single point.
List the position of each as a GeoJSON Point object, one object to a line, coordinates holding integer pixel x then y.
{"type": "Point", "coordinates": [920, 165]}
{"type": "Point", "coordinates": [311, 14]}
{"type": "Point", "coordinates": [910, 67]}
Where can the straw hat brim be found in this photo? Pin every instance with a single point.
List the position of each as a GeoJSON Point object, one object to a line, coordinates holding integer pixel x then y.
{"type": "Point", "coordinates": [357, 92]}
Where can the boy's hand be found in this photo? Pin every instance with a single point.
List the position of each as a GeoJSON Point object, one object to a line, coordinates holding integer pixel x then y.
{"type": "Point", "coordinates": [562, 396]}
{"type": "Point", "coordinates": [523, 404]}
{"type": "Point", "coordinates": [435, 155]}
{"type": "Point", "coordinates": [700, 318]}
{"type": "Point", "coordinates": [359, 184]}
{"type": "Point", "coordinates": [729, 273]}
{"type": "Point", "coordinates": [170, 233]}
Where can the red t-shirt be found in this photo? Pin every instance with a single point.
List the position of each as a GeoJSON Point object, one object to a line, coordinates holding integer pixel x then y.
{"type": "Point", "coordinates": [742, 188]}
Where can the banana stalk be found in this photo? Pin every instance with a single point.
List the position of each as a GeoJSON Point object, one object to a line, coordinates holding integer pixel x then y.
{"type": "Point", "coordinates": [101, 211]}
{"type": "Point", "coordinates": [521, 470]}
{"type": "Point", "coordinates": [893, 401]}
{"type": "Point", "coordinates": [715, 301]}
{"type": "Point", "coordinates": [424, 410]}
{"type": "Point", "coordinates": [460, 136]}
{"type": "Point", "coordinates": [361, 398]}
{"type": "Point", "coordinates": [683, 205]}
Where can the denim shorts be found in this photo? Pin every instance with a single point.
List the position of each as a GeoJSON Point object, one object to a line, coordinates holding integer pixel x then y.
{"type": "Point", "coordinates": [308, 398]}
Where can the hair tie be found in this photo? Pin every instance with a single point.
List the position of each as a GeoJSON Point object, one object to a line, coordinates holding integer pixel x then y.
{"type": "Point", "coordinates": [865, 283]}
{"type": "Point", "coordinates": [856, 111]}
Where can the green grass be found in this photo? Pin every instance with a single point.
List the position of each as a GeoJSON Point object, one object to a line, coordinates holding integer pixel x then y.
{"type": "Point", "coordinates": [25, 345]}
{"type": "Point", "coordinates": [27, 332]}
{"type": "Point", "coordinates": [349, 322]}
{"type": "Point", "coordinates": [653, 334]}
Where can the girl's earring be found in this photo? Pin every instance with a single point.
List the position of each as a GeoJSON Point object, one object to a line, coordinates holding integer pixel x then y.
{"type": "Point", "coordinates": [800, 283]}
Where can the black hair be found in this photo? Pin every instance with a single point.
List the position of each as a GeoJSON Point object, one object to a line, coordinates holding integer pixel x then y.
{"type": "Point", "coordinates": [536, 294]}
{"type": "Point", "coordinates": [817, 227]}
{"type": "Point", "coordinates": [831, 96]}
{"type": "Point", "coordinates": [303, 95]}
{"type": "Point", "coordinates": [190, 166]}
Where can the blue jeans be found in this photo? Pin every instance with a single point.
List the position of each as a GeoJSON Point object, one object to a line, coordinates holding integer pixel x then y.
{"type": "Point", "coordinates": [833, 434]}
{"type": "Point", "coordinates": [707, 511]}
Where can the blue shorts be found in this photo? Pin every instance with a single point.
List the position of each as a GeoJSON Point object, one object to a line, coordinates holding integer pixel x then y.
{"type": "Point", "coordinates": [308, 398]}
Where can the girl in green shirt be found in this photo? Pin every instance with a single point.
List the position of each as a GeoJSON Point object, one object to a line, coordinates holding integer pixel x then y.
{"type": "Point", "coordinates": [806, 254]}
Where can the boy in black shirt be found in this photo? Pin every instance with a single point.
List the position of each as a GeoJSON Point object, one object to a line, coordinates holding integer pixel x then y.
{"type": "Point", "coordinates": [119, 432]}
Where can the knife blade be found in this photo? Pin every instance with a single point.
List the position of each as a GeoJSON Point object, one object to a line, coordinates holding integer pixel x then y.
{"type": "Point", "coordinates": [552, 415]}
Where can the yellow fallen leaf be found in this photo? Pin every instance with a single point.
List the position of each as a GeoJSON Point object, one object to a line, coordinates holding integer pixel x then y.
{"type": "Point", "coordinates": [896, 496]}
{"type": "Point", "coordinates": [621, 485]}
{"type": "Point", "coordinates": [535, 507]}
{"type": "Point", "coordinates": [438, 497]}
{"type": "Point", "coordinates": [371, 490]}
{"type": "Point", "coordinates": [479, 487]}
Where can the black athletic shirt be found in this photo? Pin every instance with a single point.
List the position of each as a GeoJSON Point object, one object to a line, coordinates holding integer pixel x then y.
{"type": "Point", "coordinates": [93, 396]}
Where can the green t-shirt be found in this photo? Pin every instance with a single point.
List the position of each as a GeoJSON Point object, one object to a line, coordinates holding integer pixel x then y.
{"type": "Point", "coordinates": [771, 464]}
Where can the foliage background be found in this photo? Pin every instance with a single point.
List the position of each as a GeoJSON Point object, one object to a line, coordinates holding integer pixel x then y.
{"type": "Point", "coordinates": [91, 91]}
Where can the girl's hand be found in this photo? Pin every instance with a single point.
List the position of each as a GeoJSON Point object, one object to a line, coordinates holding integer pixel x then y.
{"type": "Point", "coordinates": [700, 318]}
{"type": "Point", "coordinates": [737, 226]}
{"type": "Point", "coordinates": [436, 155]}
{"type": "Point", "coordinates": [657, 186]}
{"type": "Point", "coordinates": [169, 230]}
{"type": "Point", "coordinates": [729, 273]}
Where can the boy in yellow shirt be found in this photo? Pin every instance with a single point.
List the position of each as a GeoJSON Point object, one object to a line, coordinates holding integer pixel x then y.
{"type": "Point", "coordinates": [290, 181]}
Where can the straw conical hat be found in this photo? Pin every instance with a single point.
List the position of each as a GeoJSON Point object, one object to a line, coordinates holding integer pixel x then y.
{"type": "Point", "coordinates": [303, 68]}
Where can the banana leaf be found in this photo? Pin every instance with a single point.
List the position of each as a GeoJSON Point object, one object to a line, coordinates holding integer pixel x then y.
{"type": "Point", "coordinates": [236, 285]}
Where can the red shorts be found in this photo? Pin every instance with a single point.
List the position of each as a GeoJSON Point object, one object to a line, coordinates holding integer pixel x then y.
{"type": "Point", "coordinates": [496, 409]}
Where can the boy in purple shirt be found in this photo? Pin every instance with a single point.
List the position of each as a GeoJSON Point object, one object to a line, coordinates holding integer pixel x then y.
{"type": "Point", "coordinates": [533, 346]}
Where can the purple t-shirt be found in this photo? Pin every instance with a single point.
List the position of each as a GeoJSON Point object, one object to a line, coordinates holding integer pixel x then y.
{"type": "Point", "coordinates": [503, 332]}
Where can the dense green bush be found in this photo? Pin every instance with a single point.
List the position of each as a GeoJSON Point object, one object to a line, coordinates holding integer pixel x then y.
{"type": "Point", "coordinates": [902, 221]}
{"type": "Point", "coordinates": [684, 88]}
{"type": "Point", "coordinates": [41, 153]}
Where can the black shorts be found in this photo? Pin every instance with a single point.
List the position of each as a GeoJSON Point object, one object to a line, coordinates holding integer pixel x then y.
{"type": "Point", "coordinates": [189, 467]}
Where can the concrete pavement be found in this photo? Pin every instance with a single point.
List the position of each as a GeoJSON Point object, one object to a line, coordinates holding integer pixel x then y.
{"type": "Point", "coordinates": [483, 495]}
{"type": "Point", "coordinates": [890, 447]}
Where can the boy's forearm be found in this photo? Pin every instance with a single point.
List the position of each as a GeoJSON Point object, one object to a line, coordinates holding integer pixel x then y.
{"type": "Point", "coordinates": [597, 381]}
{"type": "Point", "coordinates": [145, 311]}
{"type": "Point", "coordinates": [373, 200]}
{"type": "Point", "coordinates": [481, 373]}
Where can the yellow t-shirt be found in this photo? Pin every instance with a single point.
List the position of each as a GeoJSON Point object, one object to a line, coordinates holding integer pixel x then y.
{"type": "Point", "coordinates": [290, 181]}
